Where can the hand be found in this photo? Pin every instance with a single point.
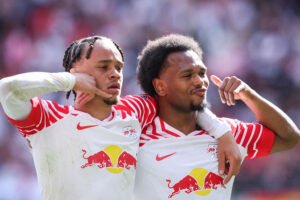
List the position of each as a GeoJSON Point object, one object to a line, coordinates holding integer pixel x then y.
{"type": "Point", "coordinates": [229, 157]}
{"type": "Point", "coordinates": [230, 89]}
{"type": "Point", "coordinates": [86, 88]}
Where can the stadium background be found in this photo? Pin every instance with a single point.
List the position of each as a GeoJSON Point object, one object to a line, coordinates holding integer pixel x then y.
{"type": "Point", "coordinates": [257, 40]}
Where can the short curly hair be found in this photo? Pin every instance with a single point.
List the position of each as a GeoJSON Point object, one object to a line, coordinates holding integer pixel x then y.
{"type": "Point", "coordinates": [151, 61]}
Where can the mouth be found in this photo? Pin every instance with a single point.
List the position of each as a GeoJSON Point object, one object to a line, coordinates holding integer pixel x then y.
{"type": "Point", "coordinates": [199, 91]}
{"type": "Point", "coordinates": [114, 88]}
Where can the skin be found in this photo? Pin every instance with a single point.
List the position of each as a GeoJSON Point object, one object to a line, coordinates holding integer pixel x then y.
{"type": "Point", "coordinates": [287, 134]}
{"type": "Point", "coordinates": [92, 88]}
{"type": "Point", "coordinates": [99, 79]}
{"type": "Point", "coordinates": [181, 87]}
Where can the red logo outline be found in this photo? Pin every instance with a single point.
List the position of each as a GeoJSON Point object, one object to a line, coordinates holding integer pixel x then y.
{"type": "Point", "coordinates": [80, 127]}
{"type": "Point", "coordinates": [160, 158]}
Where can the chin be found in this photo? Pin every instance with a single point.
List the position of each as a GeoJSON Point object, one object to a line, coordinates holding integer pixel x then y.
{"type": "Point", "coordinates": [198, 106]}
{"type": "Point", "coordinates": [112, 101]}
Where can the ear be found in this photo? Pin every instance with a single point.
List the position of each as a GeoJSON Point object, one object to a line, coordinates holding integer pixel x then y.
{"type": "Point", "coordinates": [160, 87]}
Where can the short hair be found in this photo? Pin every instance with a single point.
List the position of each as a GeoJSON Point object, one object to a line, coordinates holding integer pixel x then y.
{"type": "Point", "coordinates": [74, 52]}
{"type": "Point", "coordinates": [152, 58]}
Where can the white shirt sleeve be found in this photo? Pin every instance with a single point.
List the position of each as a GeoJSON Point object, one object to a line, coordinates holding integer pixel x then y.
{"type": "Point", "coordinates": [212, 124]}
{"type": "Point", "coordinates": [16, 91]}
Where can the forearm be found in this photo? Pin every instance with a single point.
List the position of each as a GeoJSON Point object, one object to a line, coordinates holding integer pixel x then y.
{"type": "Point", "coordinates": [275, 119]}
{"type": "Point", "coordinates": [16, 91]}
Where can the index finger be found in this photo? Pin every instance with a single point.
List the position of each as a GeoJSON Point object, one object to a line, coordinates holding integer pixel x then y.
{"type": "Point", "coordinates": [103, 94]}
{"type": "Point", "coordinates": [230, 173]}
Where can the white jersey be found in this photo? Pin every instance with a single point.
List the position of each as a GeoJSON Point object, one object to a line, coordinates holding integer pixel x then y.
{"type": "Point", "coordinates": [78, 157]}
{"type": "Point", "coordinates": [172, 165]}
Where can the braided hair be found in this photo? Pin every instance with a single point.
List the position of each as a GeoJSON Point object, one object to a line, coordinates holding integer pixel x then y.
{"type": "Point", "coordinates": [74, 52]}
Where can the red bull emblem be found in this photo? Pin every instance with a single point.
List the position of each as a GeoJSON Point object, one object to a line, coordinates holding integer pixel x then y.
{"type": "Point", "coordinates": [212, 149]}
{"type": "Point", "coordinates": [188, 184]}
{"type": "Point", "coordinates": [101, 159]}
{"type": "Point", "coordinates": [200, 181]}
{"type": "Point", "coordinates": [113, 158]}
{"type": "Point", "coordinates": [126, 161]}
{"type": "Point", "coordinates": [129, 131]}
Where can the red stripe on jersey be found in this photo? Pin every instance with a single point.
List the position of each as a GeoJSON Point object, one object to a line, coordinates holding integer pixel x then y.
{"type": "Point", "coordinates": [154, 130]}
{"type": "Point", "coordinates": [40, 117]}
{"type": "Point", "coordinates": [201, 133]}
{"type": "Point", "coordinates": [113, 115]}
{"type": "Point", "coordinates": [256, 138]}
{"type": "Point", "coordinates": [250, 129]}
{"type": "Point", "coordinates": [144, 106]}
{"type": "Point", "coordinates": [54, 113]}
{"type": "Point", "coordinates": [163, 128]}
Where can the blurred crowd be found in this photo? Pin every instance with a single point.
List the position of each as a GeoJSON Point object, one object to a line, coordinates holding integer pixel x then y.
{"type": "Point", "coordinates": [258, 41]}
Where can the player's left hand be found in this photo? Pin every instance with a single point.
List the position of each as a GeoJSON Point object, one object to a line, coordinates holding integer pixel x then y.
{"type": "Point", "coordinates": [229, 157]}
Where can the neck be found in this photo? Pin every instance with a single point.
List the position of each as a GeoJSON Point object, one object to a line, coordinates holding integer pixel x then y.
{"type": "Point", "coordinates": [96, 108]}
{"type": "Point", "coordinates": [182, 121]}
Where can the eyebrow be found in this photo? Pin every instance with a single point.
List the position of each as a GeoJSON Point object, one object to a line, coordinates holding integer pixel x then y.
{"type": "Point", "coordinates": [110, 60]}
{"type": "Point", "coordinates": [191, 69]}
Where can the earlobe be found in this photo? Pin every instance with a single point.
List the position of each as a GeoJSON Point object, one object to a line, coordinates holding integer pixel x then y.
{"type": "Point", "coordinates": [159, 86]}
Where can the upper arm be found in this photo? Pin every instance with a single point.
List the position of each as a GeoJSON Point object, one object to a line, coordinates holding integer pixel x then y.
{"type": "Point", "coordinates": [257, 139]}
{"type": "Point", "coordinates": [144, 107]}
{"type": "Point", "coordinates": [282, 145]}
{"type": "Point", "coordinates": [13, 106]}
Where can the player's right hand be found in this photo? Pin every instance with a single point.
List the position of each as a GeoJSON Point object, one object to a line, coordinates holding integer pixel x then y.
{"type": "Point", "coordinates": [85, 87]}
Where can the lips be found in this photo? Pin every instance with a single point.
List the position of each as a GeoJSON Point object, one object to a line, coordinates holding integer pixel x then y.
{"type": "Point", "coordinates": [114, 88]}
{"type": "Point", "coordinates": [199, 91]}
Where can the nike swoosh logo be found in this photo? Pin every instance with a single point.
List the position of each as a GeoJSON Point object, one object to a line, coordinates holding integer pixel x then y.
{"type": "Point", "coordinates": [80, 127]}
{"type": "Point", "coordinates": [160, 158]}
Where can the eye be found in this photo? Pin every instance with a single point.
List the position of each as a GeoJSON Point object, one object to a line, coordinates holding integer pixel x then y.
{"type": "Point", "coordinates": [103, 67]}
{"type": "Point", "coordinates": [119, 68]}
{"type": "Point", "coordinates": [188, 75]}
{"type": "Point", "coordinates": [202, 74]}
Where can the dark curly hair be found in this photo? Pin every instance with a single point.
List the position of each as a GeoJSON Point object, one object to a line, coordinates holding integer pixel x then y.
{"type": "Point", "coordinates": [74, 52]}
{"type": "Point", "coordinates": [151, 61]}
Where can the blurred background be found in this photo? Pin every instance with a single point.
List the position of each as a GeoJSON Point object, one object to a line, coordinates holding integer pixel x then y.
{"type": "Point", "coordinates": [258, 41]}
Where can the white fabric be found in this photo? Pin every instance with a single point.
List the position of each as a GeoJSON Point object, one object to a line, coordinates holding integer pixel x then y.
{"type": "Point", "coordinates": [173, 165]}
{"type": "Point", "coordinates": [16, 91]}
{"type": "Point", "coordinates": [76, 156]}
{"type": "Point", "coordinates": [80, 157]}
{"type": "Point", "coordinates": [212, 124]}
{"type": "Point", "coordinates": [188, 156]}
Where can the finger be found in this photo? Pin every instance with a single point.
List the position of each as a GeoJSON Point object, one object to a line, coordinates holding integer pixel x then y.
{"type": "Point", "coordinates": [221, 164]}
{"type": "Point", "coordinates": [230, 173]}
{"type": "Point", "coordinates": [223, 92]}
{"type": "Point", "coordinates": [233, 88]}
{"type": "Point", "coordinates": [73, 70]}
{"type": "Point", "coordinates": [229, 89]}
{"type": "Point", "coordinates": [238, 89]}
{"type": "Point", "coordinates": [84, 98]}
{"type": "Point", "coordinates": [216, 80]}
{"type": "Point", "coordinates": [219, 83]}
{"type": "Point", "coordinates": [102, 94]}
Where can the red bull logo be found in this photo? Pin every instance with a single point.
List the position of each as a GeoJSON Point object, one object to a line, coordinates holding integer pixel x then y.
{"type": "Point", "coordinates": [200, 181]}
{"type": "Point", "coordinates": [113, 158]}
{"type": "Point", "coordinates": [212, 150]}
{"type": "Point", "coordinates": [130, 131]}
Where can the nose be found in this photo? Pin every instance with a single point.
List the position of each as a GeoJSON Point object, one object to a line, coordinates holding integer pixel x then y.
{"type": "Point", "coordinates": [115, 74]}
{"type": "Point", "coordinates": [198, 80]}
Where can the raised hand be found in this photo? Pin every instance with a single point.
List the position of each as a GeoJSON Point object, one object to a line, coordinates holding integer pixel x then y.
{"type": "Point", "coordinates": [230, 89]}
{"type": "Point", "coordinates": [86, 89]}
